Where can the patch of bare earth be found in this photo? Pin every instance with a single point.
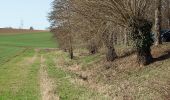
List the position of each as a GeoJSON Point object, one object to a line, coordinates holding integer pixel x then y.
{"type": "Point", "coordinates": [10, 31]}
{"type": "Point", "coordinates": [46, 84]}
{"type": "Point", "coordinates": [29, 60]}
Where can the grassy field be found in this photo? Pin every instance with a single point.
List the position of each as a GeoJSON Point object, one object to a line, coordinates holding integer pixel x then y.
{"type": "Point", "coordinates": [19, 68]}
{"type": "Point", "coordinates": [20, 71]}
{"type": "Point", "coordinates": [38, 40]}
{"type": "Point", "coordinates": [7, 53]}
{"type": "Point", "coordinates": [28, 71]}
{"type": "Point", "coordinates": [19, 78]}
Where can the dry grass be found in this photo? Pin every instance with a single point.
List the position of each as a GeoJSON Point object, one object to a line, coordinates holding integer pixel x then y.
{"type": "Point", "coordinates": [122, 79]}
{"type": "Point", "coordinates": [46, 84]}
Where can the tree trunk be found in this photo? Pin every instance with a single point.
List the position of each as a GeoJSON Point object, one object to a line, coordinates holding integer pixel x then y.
{"type": "Point", "coordinates": [108, 39]}
{"type": "Point", "coordinates": [71, 52]}
{"type": "Point", "coordinates": [144, 56]}
{"type": "Point", "coordinates": [168, 22]}
{"type": "Point", "coordinates": [115, 39]}
{"type": "Point", "coordinates": [126, 39]}
{"type": "Point", "coordinates": [92, 46]}
{"type": "Point", "coordinates": [168, 13]}
{"type": "Point", "coordinates": [158, 21]}
{"type": "Point", "coordinates": [93, 50]}
{"type": "Point", "coordinates": [142, 38]}
{"type": "Point", "coordinates": [111, 54]}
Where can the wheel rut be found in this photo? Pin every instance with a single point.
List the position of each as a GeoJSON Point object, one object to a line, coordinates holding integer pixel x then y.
{"type": "Point", "coordinates": [46, 84]}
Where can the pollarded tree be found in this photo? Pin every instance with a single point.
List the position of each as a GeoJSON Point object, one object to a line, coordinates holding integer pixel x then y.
{"type": "Point", "coordinates": [132, 14]}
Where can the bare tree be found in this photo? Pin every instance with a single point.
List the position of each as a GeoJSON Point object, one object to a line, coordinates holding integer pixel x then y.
{"type": "Point", "coordinates": [158, 21]}
{"type": "Point", "coordinates": [132, 14]}
{"type": "Point", "coordinates": [60, 35]}
{"type": "Point", "coordinates": [88, 31]}
{"type": "Point", "coordinates": [61, 16]}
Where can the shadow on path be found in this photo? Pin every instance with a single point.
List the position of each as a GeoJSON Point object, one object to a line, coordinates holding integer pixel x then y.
{"type": "Point", "coordinates": [163, 57]}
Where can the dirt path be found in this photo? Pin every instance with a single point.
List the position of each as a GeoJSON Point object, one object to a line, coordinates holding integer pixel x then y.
{"type": "Point", "coordinates": [46, 84]}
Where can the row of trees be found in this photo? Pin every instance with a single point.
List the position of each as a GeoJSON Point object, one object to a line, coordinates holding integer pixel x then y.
{"type": "Point", "coordinates": [101, 23]}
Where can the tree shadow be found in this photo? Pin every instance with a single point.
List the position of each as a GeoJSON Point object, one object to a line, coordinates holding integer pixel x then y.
{"type": "Point", "coordinates": [163, 57]}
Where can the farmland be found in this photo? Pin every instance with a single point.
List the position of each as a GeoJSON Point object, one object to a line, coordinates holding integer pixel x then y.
{"type": "Point", "coordinates": [7, 31]}
{"type": "Point", "coordinates": [28, 40]}
{"type": "Point", "coordinates": [85, 50]}
{"type": "Point", "coordinates": [22, 69]}
{"type": "Point", "coordinates": [18, 76]}
{"type": "Point", "coordinates": [29, 70]}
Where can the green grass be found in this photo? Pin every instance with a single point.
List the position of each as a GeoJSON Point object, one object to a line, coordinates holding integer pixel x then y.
{"type": "Point", "coordinates": [7, 53]}
{"type": "Point", "coordinates": [65, 89]}
{"type": "Point", "coordinates": [150, 82]}
{"type": "Point", "coordinates": [19, 78]}
{"type": "Point", "coordinates": [13, 45]}
{"type": "Point", "coordinates": [36, 40]}
{"type": "Point", "coordinates": [91, 58]}
{"type": "Point", "coordinates": [19, 73]}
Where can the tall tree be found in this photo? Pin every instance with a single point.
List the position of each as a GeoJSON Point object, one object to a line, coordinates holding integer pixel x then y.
{"type": "Point", "coordinates": [61, 17]}
{"type": "Point", "coordinates": [158, 22]}
{"type": "Point", "coordinates": [132, 15]}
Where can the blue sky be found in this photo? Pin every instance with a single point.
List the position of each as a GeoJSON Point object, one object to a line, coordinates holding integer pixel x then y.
{"type": "Point", "coordinates": [32, 12]}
